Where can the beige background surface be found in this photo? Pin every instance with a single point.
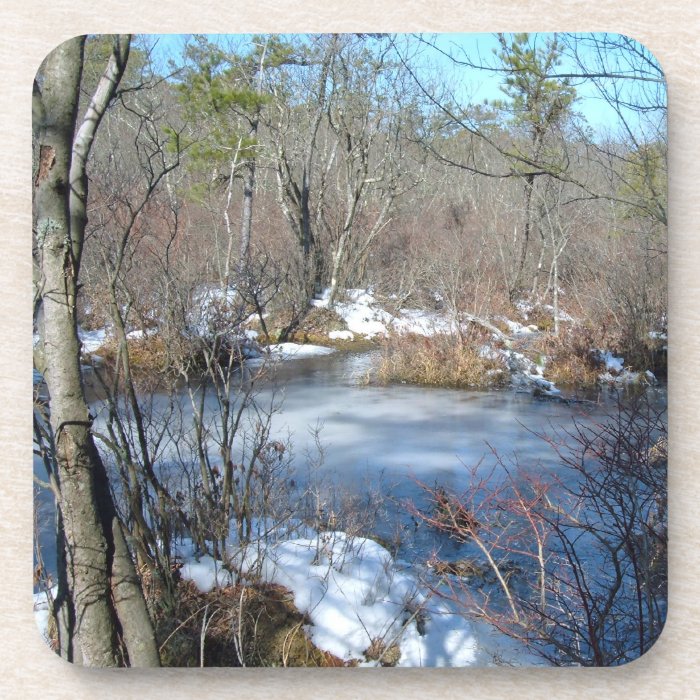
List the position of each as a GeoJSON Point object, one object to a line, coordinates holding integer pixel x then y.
{"type": "Point", "coordinates": [31, 28]}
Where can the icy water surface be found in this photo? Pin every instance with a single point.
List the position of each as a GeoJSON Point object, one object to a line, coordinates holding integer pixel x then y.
{"type": "Point", "coordinates": [396, 435]}
{"type": "Point", "coordinates": [407, 431]}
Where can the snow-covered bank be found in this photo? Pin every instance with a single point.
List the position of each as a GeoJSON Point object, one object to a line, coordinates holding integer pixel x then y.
{"type": "Point", "coordinates": [364, 316]}
{"type": "Point", "coordinates": [512, 343]}
{"type": "Point", "coordinates": [289, 351]}
{"type": "Point", "coordinates": [363, 605]}
{"type": "Point", "coordinates": [91, 341]}
{"type": "Point", "coordinates": [527, 374]}
{"type": "Point", "coordinates": [616, 372]}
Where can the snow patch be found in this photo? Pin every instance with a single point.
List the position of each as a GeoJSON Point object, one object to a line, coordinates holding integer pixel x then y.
{"type": "Point", "coordinates": [341, 335]}
{"type": "Point", "coordinates": [353, 593]}
{"type": "Point", "coordinates": [364, 316]}
{"type": "Point", "coordinates": [294, 350]}
{"type": "Point", "coordinates": [92, 341]}
{"type": "Point", "coordinates": [289, 351]}
{"type": "Point", "coordinates": [140, 334]}
{"type": "Point", "coordinates": [42, 602]}
{"type": "Point", "coordinates": [206, 573]}
{"type": "Point", "coordinates": [518, 329]}
{"type": "Point", "coordinates": [613, 364]}
{"type": "Point", "coordinates": [527, 307]}
{"type": "Point", "coordinates": [422, 322]}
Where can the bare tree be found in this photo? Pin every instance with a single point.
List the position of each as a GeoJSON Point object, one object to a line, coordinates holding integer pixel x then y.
{"type": "Point", "coordinates": [370, 115]}
{"type": "Point", "coordinates": [304, 155]}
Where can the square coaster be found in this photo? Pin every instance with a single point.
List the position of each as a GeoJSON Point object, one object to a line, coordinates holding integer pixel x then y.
{"type": "Point", "coordinates": [350, 350]}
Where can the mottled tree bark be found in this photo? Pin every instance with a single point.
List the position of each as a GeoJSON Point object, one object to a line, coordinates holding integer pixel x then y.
{"type": "Point", "coordinates": [100, 603]}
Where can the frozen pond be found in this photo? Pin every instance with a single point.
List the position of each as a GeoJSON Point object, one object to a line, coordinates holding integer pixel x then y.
{"type": "Point", "coordinates": [401, 434]}
{"type": "Point", "coordinates": [407, 431]}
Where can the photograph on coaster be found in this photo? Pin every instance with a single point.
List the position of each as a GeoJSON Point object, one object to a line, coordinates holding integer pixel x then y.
{"type": "Point", "coordinates": [350, 350]}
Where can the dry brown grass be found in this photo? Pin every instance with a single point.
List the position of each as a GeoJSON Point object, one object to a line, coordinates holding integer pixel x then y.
{"type": "Point", "coordinates": [441, 360]}
{"type": "Point", "coordinates": [571, 362]}
{"type": "Point", "coordinates": [320, 320]}
{"type": "Point", "coordinates": [313, 328]}
{"type": "Point", "coordinates": [145, 354]}
{"type": "Point", "coordinates": [542, 318]}
{"type": "Point", "coordinates": [257, 622]}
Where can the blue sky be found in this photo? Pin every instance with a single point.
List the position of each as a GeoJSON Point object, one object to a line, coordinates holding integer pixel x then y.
{"type": "Point", "coordinates": [478, 85]}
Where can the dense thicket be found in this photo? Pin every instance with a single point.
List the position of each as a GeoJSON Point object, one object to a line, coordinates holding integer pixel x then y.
{"type": "Point", "coordinates": [339, 161]}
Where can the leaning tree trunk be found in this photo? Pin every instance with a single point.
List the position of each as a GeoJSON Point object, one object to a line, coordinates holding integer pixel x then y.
{"type": "Point", "coordinates": [102, 615]}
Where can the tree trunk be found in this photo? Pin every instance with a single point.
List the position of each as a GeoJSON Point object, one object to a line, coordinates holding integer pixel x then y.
{"type": "Point", "coordinates": [529, 185]}
{"type": "Point", "coordinates": [136, 626]}
{"type": "Point", "coordinates": [247, 215]}
{"type": "Point", "coordinates": [338, 260]}
{"type": "Point", "coordinates": [100, 598]}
